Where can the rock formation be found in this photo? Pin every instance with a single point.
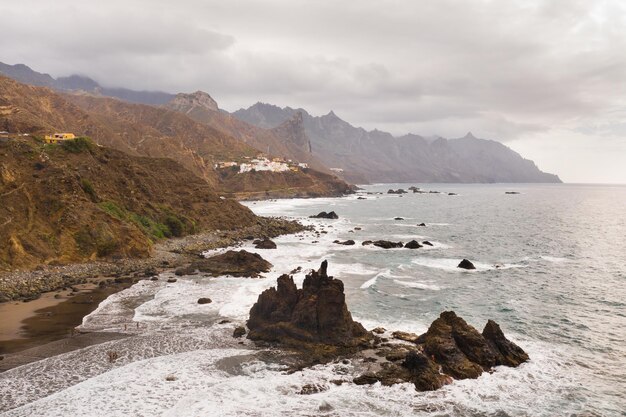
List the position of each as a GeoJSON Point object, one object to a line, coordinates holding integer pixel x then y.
{"type": "Point", "coordinates": [316, 313]}
{"type": "Point", "coordinates": [414, 244]}
{"type": "Point", "coordinates": [466, 264]}
{"type": "Point", "coordinates": [236, 263]}
{"type": "Point", "coordinates": [324, 215]}
{"type": "Point", "coordinates": [264, 244]}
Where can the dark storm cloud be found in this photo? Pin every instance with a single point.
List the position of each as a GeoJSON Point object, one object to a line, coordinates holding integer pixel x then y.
{"type": "Point", "coordinates": [519, 71]}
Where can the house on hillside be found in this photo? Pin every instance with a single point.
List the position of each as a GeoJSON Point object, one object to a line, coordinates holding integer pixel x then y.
{"type": "Point", "coordinates": [59, 137]}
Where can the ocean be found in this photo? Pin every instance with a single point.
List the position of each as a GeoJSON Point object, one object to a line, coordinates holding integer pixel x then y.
{"type": "Point", "coordinates": [551, 270]}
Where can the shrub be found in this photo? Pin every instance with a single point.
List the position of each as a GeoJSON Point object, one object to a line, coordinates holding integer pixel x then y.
{"type": "Point", "coordinates": [177, 228]}
{"type": "Point", "coordinates": [78, 145]}
{"type": "Point", "coordinates": [87, 187]}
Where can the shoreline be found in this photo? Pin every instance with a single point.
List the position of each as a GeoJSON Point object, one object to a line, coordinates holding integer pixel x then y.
{"type": "Point", "coordinates": [33, 299]}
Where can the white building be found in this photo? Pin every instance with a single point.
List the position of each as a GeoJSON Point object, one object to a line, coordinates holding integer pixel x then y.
{"type": "Point", "coordinates": [264, 164]}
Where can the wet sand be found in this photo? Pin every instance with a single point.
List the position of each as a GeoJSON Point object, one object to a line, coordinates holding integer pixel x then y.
{"type": "Point", "coordinates": [51, 317]}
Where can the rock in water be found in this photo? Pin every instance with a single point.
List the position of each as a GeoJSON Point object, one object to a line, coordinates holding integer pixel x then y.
{"type": "Point", "coordinates": [204, 300]}
{"type": "Point", "coordinates": [427, 243]}
{"type": "Point", "coordinates": [236, 263]}
{"type": "Point", "coordinates": [324, 215]}
{"type": "Point", "coordinates": [507, 352]}
{"type": "Point", "coordinates": [349, 242]}
{"type": "Point", "coordinates": [265, 244]}
{"type": "Point", "coordinates": [414, 244]}
{"type": "Point", "coordinates": [463, 352]}
{"type": "Point", "coordinates": [317, 313]}
{"type": "Point", "coordinates": [465, 264]}
{"type": "Point", "coordinates": [385, 244]}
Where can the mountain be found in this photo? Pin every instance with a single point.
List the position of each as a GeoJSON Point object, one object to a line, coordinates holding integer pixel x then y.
{"type": "Point", "coordinates": [288, 139]}
{"type": "Point", "coordinates": [143, 130]}
{"type": "Point", "coordinates": [79, 83]}
{"type": "Point", "coordinates": [376, 156]}
{"type": "Point", "coordinates": [78, 201]}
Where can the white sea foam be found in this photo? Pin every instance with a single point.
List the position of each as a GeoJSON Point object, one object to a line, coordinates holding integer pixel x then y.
{"type": "Point", "coordinates": [420, 285]}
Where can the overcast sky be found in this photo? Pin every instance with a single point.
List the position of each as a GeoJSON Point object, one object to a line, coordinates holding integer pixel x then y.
{"type": "Point", "coordinates": [548, 78]}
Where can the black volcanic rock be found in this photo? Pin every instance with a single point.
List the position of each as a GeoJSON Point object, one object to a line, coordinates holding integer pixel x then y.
{"type": "Point", "coordinates": [507, 352]}
{"type": "Point", "coordinates": [385, 244]}
{"type": "Point", "coordinates": [463, 352]}
{"type": "Point", "coordinates": [466, 264]}
{"type": "Point", "coordinates": [324, 215]}
{"type": "Point", "coordinates": [414, 244]}
{"type": "Point", "coordinates": [236, 263]}
{"type": "Point", "coordinates": [317, 313]}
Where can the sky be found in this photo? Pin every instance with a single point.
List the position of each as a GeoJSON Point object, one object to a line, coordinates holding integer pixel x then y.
{"type": "Point", "coordinates": [547, 78]}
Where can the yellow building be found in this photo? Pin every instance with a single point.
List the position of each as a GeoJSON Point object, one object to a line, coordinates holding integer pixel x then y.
{"type": "Point", "coordinates": [59, 137]}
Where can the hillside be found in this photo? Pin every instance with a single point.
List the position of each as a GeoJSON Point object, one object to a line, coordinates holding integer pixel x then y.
{"type": "Point", "coordinates": [78, 201]}
{"type": "Point", "coordinates": [376, 156]}
{"type": "Point", "coordinates": [140, 130]}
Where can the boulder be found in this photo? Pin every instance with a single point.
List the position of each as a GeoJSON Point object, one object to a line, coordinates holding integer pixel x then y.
{"type": "Point", "coordinates": [385, 244]}
{"type": "Point", "coordinates": [171, 280]}
{"type": "Point", "coordinates": [466, 264]}
{"type": "Point", "coordinates": [427, 243]}
{"type": "Point", "coordinates": [398, 191]}
{"type": "Point", "coordinates": [398, 218]}
{"type": "Point", "coordinates": [316, 313]}
{"type": "Point", "coordinates": [422, 224]}
{"type": "Point", "coordinates": [204, 300]}
{"type": "Point", "coordinates": [239, 332]}
{"type": "Point", "coordinates": [414, 244]}
{"type": "Point", "coordinates": [235, 263]}
{"type": "Point", "coordinates": [366, 243]}
{"type": "Point", "coordinates": [324, 215]}
{"type": "Point", "coordinates": [265, 244]}
{"type": "Point", "coordinates": [452, 193]}
{"type": "Point", "coordinates": [407, 337]}
{"type": "Point", "coordinates": [349, 242]}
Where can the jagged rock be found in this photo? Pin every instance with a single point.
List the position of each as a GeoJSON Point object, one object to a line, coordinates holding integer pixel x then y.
{"type": "Point", "coordinates": [427, 243]}
{"type": "Point", "coordinates": [236, 263]}
{"type": "Point", "coordinates": [309, 389]}
{"type": "Point", "coordinates": [507, 352]}
{"type": "Point", "coordinates": [385, 244]}
{"type": "Point", "coordinates": [414, 244]}
{"type": "Point", "coordinates": [465, 264]}
{"type": "Point", "coordinates": [317, 313]}
{"type": "Point", "coordinates": [324, 215]}
{"type": "Point", "coordinates": [204, 300]}
{"type": "Point", "coordinates": [265, 244]}
{"type": "Point", "coordinates": [239, 332]}
{"type": "Point", "coordinates": [349, 242]}
{"type": "Point", "coordinates": [463, 352]}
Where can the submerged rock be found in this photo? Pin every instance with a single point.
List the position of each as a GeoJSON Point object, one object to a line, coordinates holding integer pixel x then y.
{"type": "Point", "coordinates": [316, 313]}
{"type": "Point", "coordinates": [427, 243]}
{"type": "Point", "coordinates": [324, 215]}
{"type": "Point", "coordinates": [236, 263]}
{"type": "Point", "coordinates": [422, 224]}
{"type": "Point", "coordinates": [398, 218]}
{"type": "Point", "coordinates": [466, 264]}
{"type": "Point", "coordinates": [239, 332]}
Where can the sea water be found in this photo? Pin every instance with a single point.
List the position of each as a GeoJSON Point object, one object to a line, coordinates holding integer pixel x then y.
{"type": "Point", "coordinates": [550, 269]}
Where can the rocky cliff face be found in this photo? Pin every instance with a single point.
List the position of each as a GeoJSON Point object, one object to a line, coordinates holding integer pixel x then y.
{"type": "Point", "coordinates": [376, 156]}
{"type": "Point", "coordinates": [194, 102]}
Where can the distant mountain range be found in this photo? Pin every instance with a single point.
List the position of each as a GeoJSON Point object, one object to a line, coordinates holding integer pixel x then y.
{"type": "Point", "coordinates": [377, 156]}
{"type": "Point", "coordinates": [73, 83]}
{"type": "Point", "coordinates": [324, 142]}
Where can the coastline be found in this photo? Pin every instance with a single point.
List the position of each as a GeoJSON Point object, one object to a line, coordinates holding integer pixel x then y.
{"type": "Point", "coordinates": [32, 300]}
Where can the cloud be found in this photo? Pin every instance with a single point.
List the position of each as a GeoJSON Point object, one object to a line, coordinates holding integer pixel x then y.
{"type": "Point", "coordinates": [511, 71]}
